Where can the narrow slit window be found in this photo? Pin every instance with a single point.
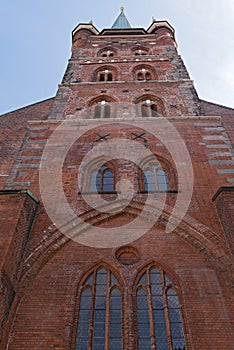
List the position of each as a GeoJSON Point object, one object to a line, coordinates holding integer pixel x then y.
{"type": "Point", "coordinates": [149, 181]}
{"type": "Point", "coordinates": [154, 110]}
{"type": "Point", "coordinates": [144, 111]}
{"type": "Point", "coordinates": [140, 76]}
{"type": "Point", "coordinates": [148, 76]}
{"type": "Point", "coordinates": [109, 77]}
{"type": "Point", "coordinates": [107, 111]}
{"type": "Point", "coordinates": [102, 77]}
{"type": "Point", "coordinates": [108, 181]}
{"type": "Point", "coordinates": [94, 183]}
{"type": "Point", "coordinates": [162, 180]}
{"type": "Point", "coordinates": [97, 111]}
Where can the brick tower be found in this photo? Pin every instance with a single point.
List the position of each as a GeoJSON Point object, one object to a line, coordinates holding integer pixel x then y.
{"type": "Point", "coordinates": [117, 204]}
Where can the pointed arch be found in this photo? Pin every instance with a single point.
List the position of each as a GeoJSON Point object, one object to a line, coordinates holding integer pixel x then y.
{"type": "Point", "coordinates": [158, 310]}
{"type": "Point", "coordinates": [107, 52]}
{"type": "Point", "coordinates": [157, 174]}
{"type": "Point", "coordinates": [155, 179]}
{"type": "Point", "coordinates": [150, 106]}
{"type": "Point", "coordinates": [197, 235]}
{"type": "Point", "coordinates": [102, 180]}
{"type": "Point", "coordinates": [100, 107]}
{"type": "Point", "coordinates": [140, 50]}
{"type": "Point", "coordinates": [144, 72]}
{"type": "Point", "coordinates": [99, 314]}
{"type": "Point", "coordinates": [100, 98]}
{"type": "Point", "coordinates": [99, 176]}
{"type": "Point", "coordinates": [105, 73]}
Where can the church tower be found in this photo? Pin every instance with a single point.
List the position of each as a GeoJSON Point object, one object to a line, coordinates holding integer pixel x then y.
{"type": "Point", "coordinates": [117, 204]}
{"type": "Point", "coordinates": [126, 65]}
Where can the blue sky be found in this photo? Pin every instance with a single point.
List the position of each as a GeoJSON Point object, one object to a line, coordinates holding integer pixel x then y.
{"type": "Point", "coordinates": [35, 39]}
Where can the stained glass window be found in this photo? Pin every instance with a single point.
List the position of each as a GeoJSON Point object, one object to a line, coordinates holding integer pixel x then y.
{"type": "Point", "coordinates": [100, 313]}
{"type": "Point", "coordinates": [158, 313]}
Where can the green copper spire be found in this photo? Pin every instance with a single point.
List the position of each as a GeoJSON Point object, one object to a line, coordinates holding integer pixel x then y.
{"type": "Point", "coordinates": [121, 22]}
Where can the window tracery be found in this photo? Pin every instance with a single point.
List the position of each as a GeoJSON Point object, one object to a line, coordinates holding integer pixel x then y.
{"type": "Point", "coordinates": [102, 180]}
{"type": "Point", "coordinates": [159, 321]}
{"type": "Point", "coordinates": [100, 312]}
{"type": "Point", "coordinates": [102, 109]}
{"type": "Point", "coordinates": [150, 106]}
{"type": "Point", "coordinates": [140, 50]}
{"type": "Point", "coordinates": [155, 179]}
{"type": "Point", "coordinates": [105, 75]}
{"type": "Point", "coordinates": [144, 73]}
{"type": "Point", "coordinates": [107, 53]}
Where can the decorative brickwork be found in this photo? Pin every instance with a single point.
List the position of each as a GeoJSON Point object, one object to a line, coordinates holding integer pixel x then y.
{"type": "Point", "coordinates": [120, 86]}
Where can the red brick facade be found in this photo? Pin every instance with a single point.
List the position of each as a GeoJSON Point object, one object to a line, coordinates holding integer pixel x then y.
{"type": "Point", "coordinates": [43, 272]}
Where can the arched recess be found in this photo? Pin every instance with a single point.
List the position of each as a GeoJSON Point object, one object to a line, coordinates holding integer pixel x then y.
{"type": "Point", "coordinates": [98, 98]}
{"type": "Point", "coordinates": [95, 168]}
{"type": "Point", "coordinates": [100, 107]}
{"type": "Point", "coordinates": [140, 51]}
{"type": "Point", "coordinates": [158, 162]}
{"type": "Point", "coordinates": [150, 106]}
{"type": "Point", "coordinates": [197, 235]}
{"type": "Point", "coordinates": [98, 317]}
{"type": "Point", "coordinates": [144, 72]}
{"type": "Point", "coordinates": [157, 302]}
{"type": "Point", "coordinates": [107, 52]}
{"type": "Point", "coordinates": [105, 73]}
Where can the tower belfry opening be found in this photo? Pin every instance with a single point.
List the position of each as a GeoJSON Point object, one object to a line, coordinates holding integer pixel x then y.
{"type": "Point", "coordinates": [90, 182]}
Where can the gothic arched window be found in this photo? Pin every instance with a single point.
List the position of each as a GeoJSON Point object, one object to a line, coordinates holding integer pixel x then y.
{"type": "Point", "coordinates": [155, 179]}
{"type": "Point", "coordinates": [143, 74]}
{"type": "Point", "coordinates": [102, 180]}
{"type": "Point", "coordinates": [140, 52]}
{"type": "Point", "coordinates": [97, 111]}
{"type": "Point", "coordinates": [100, 312]}
{"type": "Point", "coordinates": [106, 53]}
{"type": "Point", "coordinates": [105, 75]}
{"type": "Point", "coordinates": [148, 108]}
{"type": "Point", "coordinates": [102, 109]}
{"type": "Point", "coordinates": [159, 322]}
